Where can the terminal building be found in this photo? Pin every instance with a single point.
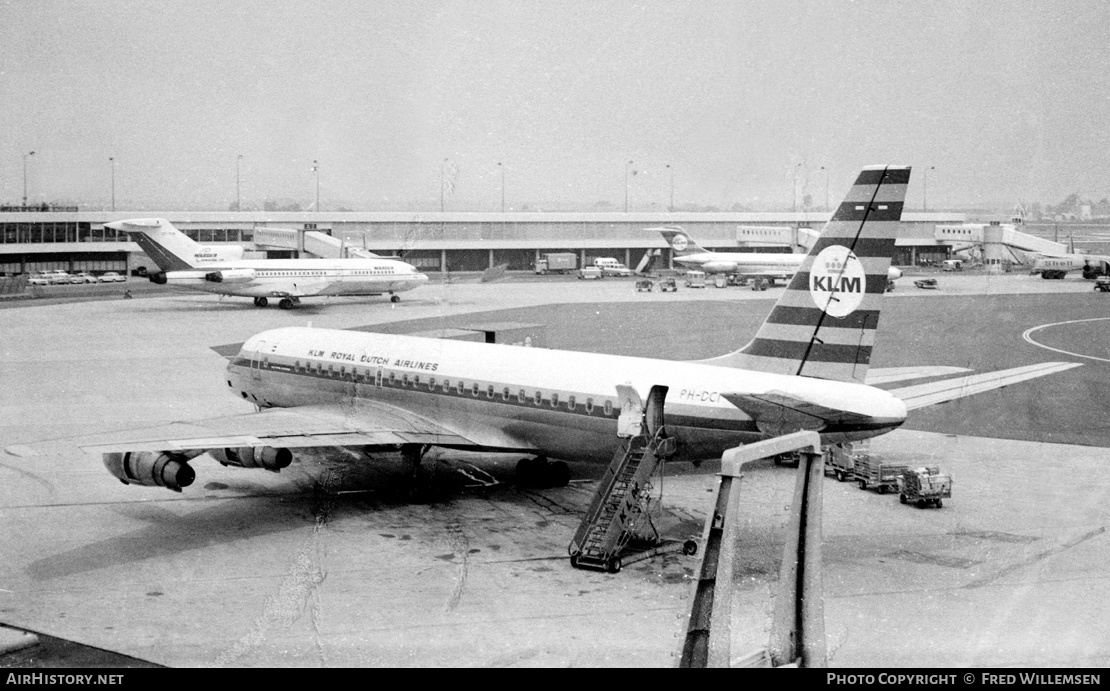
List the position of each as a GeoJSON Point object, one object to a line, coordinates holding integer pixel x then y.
{"type": "Point", "coordinates": [34, 239]}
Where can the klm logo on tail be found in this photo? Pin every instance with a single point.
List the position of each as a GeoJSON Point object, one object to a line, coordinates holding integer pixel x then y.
{"type": "Point", "coordinates": [837, 281]}
{"type": "Point", "coordinates": [679, 242]}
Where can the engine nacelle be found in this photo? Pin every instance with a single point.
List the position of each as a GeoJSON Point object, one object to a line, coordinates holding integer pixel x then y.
{"type": "Point", "coordinates": [151, 468]}
{"type": "Point", "coordinates": [266, 457]}
{"type": "Point", "coordinates": [230, 276]}
{"type": "Point", "coordinates": [158, 277]}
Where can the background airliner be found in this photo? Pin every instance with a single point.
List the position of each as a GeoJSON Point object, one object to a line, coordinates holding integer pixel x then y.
{"type": "Point", "coordinates": [805, 369]}
{"type": "Point", "coordinates": [773, 265]}
{"type": "Point", "coordinates": [184, 263]}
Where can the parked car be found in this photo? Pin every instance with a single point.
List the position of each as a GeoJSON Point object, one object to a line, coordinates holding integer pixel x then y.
{"type": "Point", "coordinates": [589, 272]}
{"type": "Point", "coordinates": [83, 277]}
{"type": "Point", "coordinates": [37, 279]}
{"type": "Point", "coordinates": [57, 277]}
{"type": "Point", "coordinates": [111, 277]}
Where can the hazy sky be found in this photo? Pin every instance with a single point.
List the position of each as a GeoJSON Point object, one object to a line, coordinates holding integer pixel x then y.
{"type": "Point", "coordinates": [1008, 100]}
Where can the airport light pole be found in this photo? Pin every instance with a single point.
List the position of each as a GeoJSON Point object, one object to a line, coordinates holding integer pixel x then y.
{"type": "Point", "coordinates": [29, 153]}
{"type": "Point", "coordinates": [502, 168]}
{"type": "Point", "coordinates": [237, 202]}
{"type": "Point", "coordinates": [112, 160]}
{"type": "Point", "coordinates": [794, 190]}
{"type": "Point", "coordinates": [316, 169]}
{"type": "Point", "coordinates": [669, 168]}
{"type": "Point", "coordinates": [925, 195]}
{"type": "Point", "coordinates": [626, 168]}
{"type": "Point", "coordinates": [826, 187]}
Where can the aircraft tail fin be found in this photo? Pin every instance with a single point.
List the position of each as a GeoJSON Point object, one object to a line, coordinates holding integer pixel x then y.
{"type": "Point", "coordinates": [167, 246]}
{"type": "Point", "coordinates": [824, 324]}
{"type": "Point", "coordinates": [679, 240]}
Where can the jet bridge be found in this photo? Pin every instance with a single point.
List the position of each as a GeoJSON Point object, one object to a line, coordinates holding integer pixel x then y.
{"type": "Point", "coordinates": [313, 242]}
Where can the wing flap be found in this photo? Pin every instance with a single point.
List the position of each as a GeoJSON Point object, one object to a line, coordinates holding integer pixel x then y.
{"type": "Point", "coordinates": [922, 395]}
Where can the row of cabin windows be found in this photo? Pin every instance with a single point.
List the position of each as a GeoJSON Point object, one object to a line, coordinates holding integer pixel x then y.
{"type": "Point", "coordinates": [475, 388]}
{"type": "Point", "coordinates": [359, 272]}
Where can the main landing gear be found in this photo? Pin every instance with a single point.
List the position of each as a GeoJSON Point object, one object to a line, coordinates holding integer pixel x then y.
{"type": "Point", "coordinates": [541, 473]}
{"type": "Point", "coordinates": [284, 303]}
{"type": "Point", "coordinates": [394, 298]}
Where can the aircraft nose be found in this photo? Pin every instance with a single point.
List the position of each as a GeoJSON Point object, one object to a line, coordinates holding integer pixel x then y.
{"type": "Point", "coordinates": [895, 273]}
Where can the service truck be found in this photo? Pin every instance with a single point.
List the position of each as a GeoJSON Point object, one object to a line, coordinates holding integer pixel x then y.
{"type": "Point", "coordinates": [557, 262]}
{"type": "Point", "coordinates": [611, 267]}
{"type": "Point", "coordinates": [870, 472]}
{"type": "Point", "coordinates": [924, 486]}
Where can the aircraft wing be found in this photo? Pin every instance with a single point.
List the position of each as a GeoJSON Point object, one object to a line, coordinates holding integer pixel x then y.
{"type": "Point", "coordinates": [360, 424]}
{"type": "Point", "coordinates": [922, 395]}
{"type": "Point", "coordinates": [297, 289]}
{"type": "Point", "coordinates": [778, 413]}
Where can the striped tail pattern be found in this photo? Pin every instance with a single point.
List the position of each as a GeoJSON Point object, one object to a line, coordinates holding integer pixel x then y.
{"type": "Point", "coordinates": [824, 324]}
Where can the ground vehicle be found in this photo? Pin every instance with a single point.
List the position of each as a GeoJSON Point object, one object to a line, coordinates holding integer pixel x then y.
{"type": "Point", "coordinates": [840, 461]}
{"type": "Point", "coordinates": [111, 277]}
{"type": "Point", "coordinates": [720, 280]}
{"type": "Point", "coordinates": [589, 273]}
{"type": "Point", "coordinates": [1102, 283]}
{"type": "Point", "coordinates": [611, 267]}
{"type": "Point", "coordinates": [871, 472]}
{"type": "Point", "coordinates": [644, 284]}
{"type": "Point", "coordinates": [557, 262]}
{"type": "Point", "coordinates": [57, 277]}
{"type": "Point", "coordinates": [924, 486]}
{"type": "Point", "coordinates": [760, 283]}
{"type": "Point", "coordinates": [668, 284]}
{"type": "Point", "coordinates": [926, 283]}
{"type": "Point", "coordinates": [83, 277]}
{"type": "Point", "coordinates": [38, 279]}
{"type": "Point", "coordinates": [695, 279]}
{"type": "Point", "coordinates": [952, 265]}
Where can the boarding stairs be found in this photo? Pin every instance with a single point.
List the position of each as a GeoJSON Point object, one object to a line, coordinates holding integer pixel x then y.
{"type": "Point", "coordinates": [618, 512]}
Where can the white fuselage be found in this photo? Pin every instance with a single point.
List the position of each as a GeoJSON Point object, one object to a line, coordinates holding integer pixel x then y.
{"type": "Point", "coordinates": [300, 277]}
{"type": "Point", "coordinates": [775, 264]}
{"type": "Point", "coordinates": [560, 403]}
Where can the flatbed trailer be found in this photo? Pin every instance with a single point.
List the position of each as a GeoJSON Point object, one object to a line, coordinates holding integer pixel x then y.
{"type": "Point", "coordinates": [871, 473]}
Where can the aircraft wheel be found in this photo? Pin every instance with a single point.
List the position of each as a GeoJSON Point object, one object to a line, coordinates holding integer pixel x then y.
{"type": "Point", "coordinates": [285, 304]}
{"type": "Point", "coordinates": [902, 498]}
{"type": "Point", "coordinates": [921, 503]}
{"type": "Point", "coordinates": [526, 471]}
{"type": "Point", "coordinates": [261, 302]}
{"type": "Point", "coordinates": [863, 484]}
{"type": "Point", "coordinates": [394, 298]}
{"type": "Point", "coordinates": [690, 548]}
{"type": "Point", "coordinates": [558, 474]}
{"type": "Point", "coordinates": [840, 476]}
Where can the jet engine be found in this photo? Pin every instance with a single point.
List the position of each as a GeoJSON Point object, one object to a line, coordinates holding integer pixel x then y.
{"type": "Point", "coordinates": [158, 277]}
{"type": "Point", "coordinates": [151, 468]}
{"type": "Point", "coordinates": [230, 276]}
{"type": "Point", "coordinates": [266, 457]}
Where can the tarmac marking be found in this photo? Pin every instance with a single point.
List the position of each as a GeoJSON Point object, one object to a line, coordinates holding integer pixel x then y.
{"type": "Point", "coordinates": [1028, 338]}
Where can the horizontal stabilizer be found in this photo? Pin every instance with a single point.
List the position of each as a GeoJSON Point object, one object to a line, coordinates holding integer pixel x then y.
{"type": "Point", "coordinates": [886, 375]}
{"type": "Point", "coordinates": [922, 395]}
{"type": "Point", "coordinates": [778, 413]}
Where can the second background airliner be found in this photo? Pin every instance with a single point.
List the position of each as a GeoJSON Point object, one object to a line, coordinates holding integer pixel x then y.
{"type": "Point", "coordinates": [184, 263]}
